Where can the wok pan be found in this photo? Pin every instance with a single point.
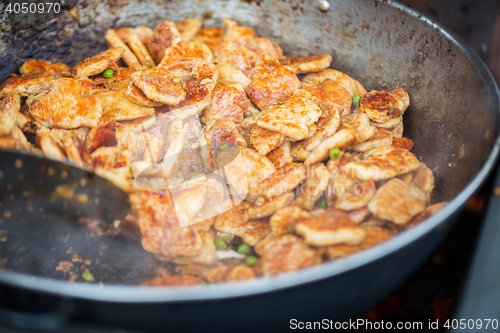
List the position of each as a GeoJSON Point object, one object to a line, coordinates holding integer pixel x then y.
{"type": "Point", "coordinates": [453, 119]}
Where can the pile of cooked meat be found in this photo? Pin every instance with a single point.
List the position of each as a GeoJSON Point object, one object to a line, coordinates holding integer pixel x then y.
{"type": "Point", "coordinates": [236, 166]}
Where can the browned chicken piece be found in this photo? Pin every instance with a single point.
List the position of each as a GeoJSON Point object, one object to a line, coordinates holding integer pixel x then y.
{"type": "Point", "coordinates": [229, 74]}
{"type": "Point", "coordinates": [135, 95]}
{"type": "Point", "coordinates": [288, 253]}
{"type": "Point", "coordinates": [116, 42]}
{"type": "Point", "coordinates": [35, 65]}
{"type": "Point", "coordinates": [283, 180]}
{"type": "Point", "coordinates": [175, 142]}
{"type": "Point", "coordinates": [174, 280]}
{"type": "Point", "coordinates": [388, 124]}
{"type": "Point", "coordinates": [354, 128]}
{"type": "Point", "coordinates": [271, 83]}
{"type": "Point", "coordinates": [403, 143]}
{"type": "Point", "coordinates": [199, 82]}
{"type": "Point", "coordinates": [374, 235]}
{"type": "Point", "coordinates": [27, 85]}
{"type": "Point", "coordinates": [98, 63]}
{"type": "Point", "coordinates": [179, 239]}
{"type": "Point", "coordinates": [397, 131]}
{"type": "Point", "coordinates": [264, 141]}
{"type": "Point", "coordinates": [234, 222]}
{"type": "Point", "coordinates": [246, 171]}
{"type": "Point", "coordinates": [50, 145]}
{"type": "Point", "coordinates": [74, 149]}
{"type": "Point", "coordinates": [117, 106]}
{"type": "Point", "coordinates": [215, 135]}
{"type": "Point", "coordinates": [139, 49]}
{"type": "Point", "coordinates": [333, 92]}
{"type": "Point", "coordinates": [269, 207]}
{"type": "Point", "coordinates": [312, 189]}
{"type": "Point", "coordinates": [102, 135]}
{"type": "Point", "coordinates": [216, 274]}
{"type": "Point", "coordinates": [80, 133]}
{"type": "Point", "coordinates": [194, 129]}
{"type": "Point", "coordinates": [424, 179]}
{"type": "Point", "coordinates": [183, 52]}
{"type": "Point", "coordinates": [428, 212]}
{"type": "Point", "coordinates": [333, 227]}
{"type": "Point", "coordinates": [144, 32]}
{"type": "Point", "coordinates": [105, 157]}
{"type": "Point", "coordinates": [8, 143]}
{"type": "Point", "coordinates": [262, 46]}
{"type": "Point", "coordinates": [292, 118]}
{"type": "Point", "coordinates": [240, 57]}
{"type": "Point", "coordinates": [397, 202]}
{"type": "Point", "coordinates": [380, 106]}
{"type": "Point", "coordinates": [229, 102]}
{"type": "Point", "coordinates": [138, 124]}
{"type": "Point", "coordinates": [353, 86]}
{"type": "Point", "coordinates": [352, 193]}
{"type": "Point", "coordinates": [21, 142]}
{"type": "Point", "coordinates": [359, 215]}
{"type": "Point", "coordinates": [308, 64]}
{"type": "Point", "coordinates": [236, 34]}
{"type": "Point", "coordinates": [192, 201]}
{"type": "Point", "coordinates": [158, 85]}
{"type": "Point", "coordinates": [9, 108]}
{"type": "Point", "coordinates": [240, 273]}
{"type": "Point", "coordinates": [381, 138]}
{"type": "Point", "coordinates": [189, 28]}
{"type": "Point", "coordinates": [328, 126]}
{"type": "Point", "coordinates": [382, 163]}
{"type": "Point", "coordinates": [164, 36]}
{"type": "Point", "coordinates": [120, 79]}
{"type": "Point", "coordinates": [284, 220]}
{"type": "Point", "coordinates": [281, 155]}
{"type": "Point", "coordinates": [69, 104]}
{"type": "Point", "coordinates": [211, 37]}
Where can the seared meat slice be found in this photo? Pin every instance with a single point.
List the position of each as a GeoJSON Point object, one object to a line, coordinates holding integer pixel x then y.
{"type": "Point", "coordinates": [9, 108]}
{"type": "Point", "coordinates": [120, 79]}
{"type": "Point", "coordinates": [428, 212]}
{"type": "Point", "coordinates": [264, 141]}
{"type": "Point", "coordinates": [234, 222]}
{"type": "Point", "coordinates": [353, 86]}
{"type": "Point", "coordinates": [328, 126]}
{"type": "Point", "coordinates": [333, 227]}
{"type": "Point", "coordinates": [105, 157]}
{"type": "Point", "coordinates": [229, 102]}
{"type": "Point", "coordinates": [98, 63]}
{"type": "Point", "coordinates": [292, 118]}
{"type": "Point", "coordinates": [74, 149]}
{"type": "Point", "coordinates": [262, 46]}
{"type": "Point", "coordinates": [183, 52]}
{"type": "Point", "coordinates": [145, 33]}
{"type": "Point", "coordinates": [158, 85]}
{"type": "Point", "coordinates": [50, 145]}
{"type": "Point", "coordinates": [191, 201]}
{"type": "Point", "coordinates": [135, 95]}
{"type": "Point", "coordinates": [211, 37]}
{"type": "Point", "coordinates": [352, 193]}
{"type": "Point", "coordinates": [288, 253]}
{"type": "Point", "coordinates": [281, 155]}
{"type": "Point", "coordinates": [240, 273]}
{"type": "Point", "coordinates": [32, 84]}
{"type": "Point", "coordinates": [246, 171]}
{"type": "Point", "coordinates": [374, 235]}
{"type": "Point", "coordinates": [381, 138]}
{"type": "Point", "coordinates": [333, 92]}
{"type": "Point", "coordinates": [424, 179]}
{"type": "Point", "coordinates": [397, 131]}
{"type": "Point", "coordinates": [141, 52]}
{"type": "Point", "coordinates": [359, 215]}
{"type": "Point", "coordinates": [240, 57]}
{"type": "Point", "coordinates": [174, 280]}
{"type": "Point", "coordinates": [42, 66]}
{"type": "Point", "coordinates": [285, 219]}
{"type": "Point", "coordinates": [381, 106]}
{"type": "Point", "coordinates": [403, 143]}
{"type": "Point", "coordinates": [102, 135]}
{"type": "Point", "coordinates": [222, 132]}
{"type": "Point", "coordinates": [308, 64]}
{"type": "Point", "coordinates": [17, 140]}
{"type": "Point", "coordinates": [176, 138]}
{"type": "Point", "coordinates": [382, 163]}
{"type": "Point", "coordinates": [117, 106]}
{"type": "Point", "coordinates": [116, 42]}
{"type": "Point", "coordinates": [390, 123]}
{"type": "Point", "coordinates": [312, 189]}
{"type": "Point", "coordinates": [283, 180]}
{"type": "Point", "coordinates": [69, 104]}
{"type": "Point", "coordinates": [229, 74]}
{"type": "Point", "coordinates": [397, 202]}
{"type": "Point", "coordinates": [164, 36]}
{"type": "Point", "coordinates": [271, 82]}
{"type": "Point", "coordinates": [238, 35]}
{"type": "Point", "coordinates": [189, 28]}
{"type": "Point", "coordinates": [269, 207]}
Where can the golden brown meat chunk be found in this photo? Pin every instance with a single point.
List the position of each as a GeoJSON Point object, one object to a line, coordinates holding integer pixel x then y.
{"type": "Point", "coordinates": [189, 28]}
{"type": "Point", "coordinates": [332, 227]}
{"type": "Point", "coordinates": [183, 52]}
{"type": "Point", "coordinates": [331, 91]}
{"type": "Point", "coordinates": [381, 106]}
{"type": "Point", "coordinates": [397, 202]}
{"type": "Point", "coordinates": [98, 63]}
{"type": "Point", "coordinates": [139, 49]}
{"type": "Point", "coordinates": [240, 57]}
{"type": "Point", "coordinates": [9, 107]}
{"type": "Point", "coordinates": [352, 193]}
{"type": "Point", "coordinates": [292, 118]}
{"type": "Point", "coordinates": [41, 66]}
{"type": "Point", "coordinates": [374, 235]}
{"type": "Point", "coordinates": [117, 106]}
{"type": "Point", "coordinates": [271, 83]}
{"type": "Point", "coordinates": [264, 141]}
{"type": "Point", "coordinates": [269, 207]}
{"type": "Point", "coordinates": [229, 102]}
{"type": "Point", "coordinates": [262, 46]}
{"type": "Point", "coordinates": [308, 64]}
{"type": "Point", "coordinates": [240, 273]}
{"type": "Point", "coordinates": [283, 180]}
{"type": "Point", "coordinates": [164, 36]}
{"type": "Point", "coordinates": [424, 179]}
{"type": "Point", "coordinates": [285, 219]}
{"type": "Point", "coordinates": [211, 37]}
{"type": "Point", "coordinates": [353, 86]}
{"type": "Point", "coordinates": [27, 85]}
{"type": "Point", "coordinates": [281, 155]}
{"type": "Point", "coordinates": [381, 138]}
{"type": "Point", "coordinates": [234, 222]}
{"type": "Point", "coordinates": [428, 212]}
{"type": "Point", "coordinates": [135, 95]}
{"type": "Point", "coordinates": [403, 143]}
{"type": "Point", "coordinates": [158, 85]}
{"type": "Point", "coordinates": [312, 189]}
{"type": "Point", "coordinates": [288, 253]}
{"type": "Point", "coordinates": [69, 104]}
{"type": "Point", "coordinates": [145, 33]}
